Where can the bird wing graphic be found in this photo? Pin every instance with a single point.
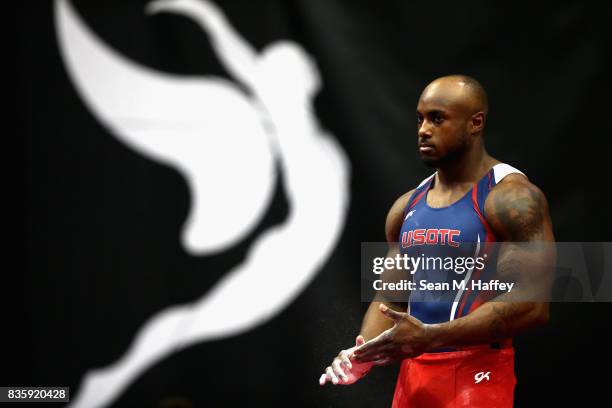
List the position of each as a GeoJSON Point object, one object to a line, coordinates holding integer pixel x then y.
{"type": "Point", "coordinates": [190, 123]}
{"type": "Point", "coordinates": [204, 127]}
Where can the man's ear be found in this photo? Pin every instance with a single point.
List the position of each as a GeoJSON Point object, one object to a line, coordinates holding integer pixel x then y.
{"type": "Point", "coordinates": [477, 123]}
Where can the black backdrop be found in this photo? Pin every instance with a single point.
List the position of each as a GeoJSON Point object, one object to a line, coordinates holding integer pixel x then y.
{"type": "Point", "coordinates": [102, 222]}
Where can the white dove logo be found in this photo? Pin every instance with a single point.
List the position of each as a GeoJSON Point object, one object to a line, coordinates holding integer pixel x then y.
{"type": "Point", "coordinates": [214, 134]}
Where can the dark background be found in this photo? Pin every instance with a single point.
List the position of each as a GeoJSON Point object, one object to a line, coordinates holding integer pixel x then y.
{"type": "Point", "coordinates": [102, 222]}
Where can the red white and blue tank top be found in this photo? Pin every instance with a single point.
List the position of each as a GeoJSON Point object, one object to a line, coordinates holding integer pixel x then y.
{"type": "Point", "coordinates": [454, 231]}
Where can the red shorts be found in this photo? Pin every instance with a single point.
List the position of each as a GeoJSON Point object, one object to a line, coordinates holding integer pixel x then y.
{"type": "Point", "coordinates": [475, 378]}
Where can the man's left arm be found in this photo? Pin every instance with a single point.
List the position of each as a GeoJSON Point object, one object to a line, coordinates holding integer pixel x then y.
{"type": "Point", "coordinates": [518, 213]}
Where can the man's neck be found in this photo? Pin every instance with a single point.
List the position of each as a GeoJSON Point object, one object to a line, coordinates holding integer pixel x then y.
{"type": "Point", "coordinates": [467, 169]}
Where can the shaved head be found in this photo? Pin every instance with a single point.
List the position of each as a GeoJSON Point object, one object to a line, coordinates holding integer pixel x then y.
{"type": "Point", "coordinates": [451, 116]}
{"type": "Point", "coordinates": [458, 91]}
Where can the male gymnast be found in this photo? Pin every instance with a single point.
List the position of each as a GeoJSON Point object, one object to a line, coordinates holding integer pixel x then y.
{"type": "Point", "coordinates": [457, 353]}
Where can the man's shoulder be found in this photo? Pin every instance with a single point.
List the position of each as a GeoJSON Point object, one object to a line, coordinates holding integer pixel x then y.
{"type": "Point", "coordinates": [401, 202]}
{"type": "Point", "coordinates": [395, 217]}
{"type": "Point", "coordinates": [513, 185]}
{"type": "Point", "coordinates": [515, 205]}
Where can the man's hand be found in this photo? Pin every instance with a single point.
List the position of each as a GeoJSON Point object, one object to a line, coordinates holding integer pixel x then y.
{"type": "Point", "coordinates": [343, 370]}
{"type": "Point", "coordinates": [408, 338]}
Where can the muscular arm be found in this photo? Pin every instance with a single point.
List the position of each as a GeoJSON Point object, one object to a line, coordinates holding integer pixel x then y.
{"type": "Point", "coordinates": [374, 322]}
{"type": "Point", "coordinates": [518, 213]}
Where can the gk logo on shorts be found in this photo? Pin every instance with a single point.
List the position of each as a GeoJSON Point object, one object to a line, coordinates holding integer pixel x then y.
{"type": "Point", "coordinates": [481, 376]}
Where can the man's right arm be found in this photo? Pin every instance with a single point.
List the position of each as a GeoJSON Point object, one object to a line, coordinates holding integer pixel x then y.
{"type": "Point", "coordinates": [343, 370]}
{"type": "Point", "coordinates": [374, 322]}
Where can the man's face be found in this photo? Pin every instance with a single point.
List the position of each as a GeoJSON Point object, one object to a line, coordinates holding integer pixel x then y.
{"type": "Point", "coordinates": [442, 128]}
